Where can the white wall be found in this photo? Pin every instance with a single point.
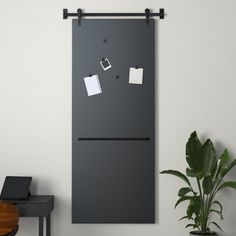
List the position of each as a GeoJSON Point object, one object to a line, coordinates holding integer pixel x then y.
{"type": "Point", "coordinates": [196, 80]}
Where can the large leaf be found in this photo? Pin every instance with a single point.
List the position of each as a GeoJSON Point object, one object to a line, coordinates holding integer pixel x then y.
{"type": "Point", "coordinates": [192, 145]}
{"type": "Point", "coordinates": [176, 173]}
{"type": "Point", "coordinates": [214, 171]}
{"type": "Point", "coordinates": [197, 220]}
{"type": "Point", "coordinates": [193, 207]}
{"type": "Point", "coordinates": [225, 170]}
{"type": "Point", "coordinates": [182, 199]}
{"type": "Point", "coordinates": [201, 158]}
{"type": "Point", "coordinates": [191, 173]}
{"type": "Point", "coordinates": [224, 158]}
{"type": "Point", "coordinates": [228, 184]}
{"type": "Point", "coordinates": [207, 156]}
{"type": "Point", "coordinates": [195, 201]}
{"type": "Point", "coordinates": [190, 210]}
{"type": "Point", "coordinates": [192, 148]}
{"type": "Point", "coordinates": [221, 164]}
{"type": "Point", "coordinates": [183, 191]}
{"type": "Point", "coordinates": [207, 185]}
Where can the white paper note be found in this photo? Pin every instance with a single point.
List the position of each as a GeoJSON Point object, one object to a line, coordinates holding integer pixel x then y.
{"type": "Point", "coordinates": [135, 75]}
{"type": "Point", "coordinates": [92, 85]}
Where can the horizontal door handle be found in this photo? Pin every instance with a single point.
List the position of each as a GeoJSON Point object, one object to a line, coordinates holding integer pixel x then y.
{"type": "Point", "coordinates": [115, 139]}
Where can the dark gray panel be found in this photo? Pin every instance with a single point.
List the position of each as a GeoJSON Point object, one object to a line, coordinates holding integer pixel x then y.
{"type": "Point", "coordinates": [113, 181]}
{"type": "Point", "coordinates": [122, 109]}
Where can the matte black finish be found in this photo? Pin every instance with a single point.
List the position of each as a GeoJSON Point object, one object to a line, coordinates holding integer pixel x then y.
{"type": "Point", "coordinates": [147, 13]}
{"type": "Point", "coordinates": [114, 139]}
{"type": "Point", "coordinates": [66, 14]}
{"type": "Point", "coordinates": [37, 206]}
{"type": "Point", "coordinates": [16, 187]}
{"type": "Point", "coordinates": [79, 13]}
{"type": "Point", "coordinates": [113, 133]}
{"type": "Point", "coordinates": [48, 224]}
{"type": "Point", "coordinates": [40, 225]}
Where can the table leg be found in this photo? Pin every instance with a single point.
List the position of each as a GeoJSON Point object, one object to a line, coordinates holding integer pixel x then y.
{"type": "Point", "coordinates": [40, 226]}
{"type": "Point", "coordinates": [48, 226]}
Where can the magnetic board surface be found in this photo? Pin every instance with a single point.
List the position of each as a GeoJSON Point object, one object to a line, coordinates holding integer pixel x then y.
{"type": "Point", "coordinates": [113, 133]}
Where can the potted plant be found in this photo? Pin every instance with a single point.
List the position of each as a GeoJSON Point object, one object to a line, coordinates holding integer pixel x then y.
{"type": "Point", "coordinates": [208, 170]}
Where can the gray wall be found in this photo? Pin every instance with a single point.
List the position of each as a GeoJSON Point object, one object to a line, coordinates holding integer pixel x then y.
{"type": "Point", "coordinates": [196, 90]}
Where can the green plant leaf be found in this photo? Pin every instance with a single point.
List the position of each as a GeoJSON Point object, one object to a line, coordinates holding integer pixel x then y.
{"type": "Point", "coordinates": [191, 225]}
{"type": "Point", "coordinates": [214, 172]}
{"type": "Point", "coordinates": [228, 184]}
{"type": "Point", "coordinates": [207, 185]}
{"type": "Point", "coordinates": [209, 170]}
{"type": "Point", "coordinates": [191, 173]}
{"type": "Point", "coordinates": [192, 148]}
{"type": "Point", "coordinates": [190, 211]}
{"type": "Point", "coordinates": [207, 156]}
{"type": "Point", "coordinates": [214, 223]}
{"type": "Point", "coordinates": [193, 207]}
{"type": "Point", "coordinates": [213, 210]}
{"type": "Point", "coordinates": [196, 203]}
{"type": "Point", "coordinates": [183, 191]}
{"type": "Point", "coordinates": [201, 158]}
{"type": "Point", "coordinates": [192, 145]}
{"type": "Point", "coordinates": [225, 170]}
{"type": "Point", "coordinates": [176, 173]}
{"type": "Point", "coordinates": [185, 217]}
{"type": "Point", "coordinates": [224, 158]}
{"type": "Point", "coordinates": [221, 163]}
{"type": "Point", "coordinates": [182, 199]}
{"type": "Point", "coordinates": [197, 220]}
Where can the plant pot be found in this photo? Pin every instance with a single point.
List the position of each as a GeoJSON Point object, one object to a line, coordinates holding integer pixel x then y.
{"type": "Point", "coordinates": [199, 233]}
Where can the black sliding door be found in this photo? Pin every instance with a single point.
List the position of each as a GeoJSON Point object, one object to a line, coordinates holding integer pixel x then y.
{"type": "Point", "coordinates": [113, 132]}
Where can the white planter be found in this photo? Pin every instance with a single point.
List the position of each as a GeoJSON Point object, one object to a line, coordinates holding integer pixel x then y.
{"type": "Point", "coordinates": [197, 233]}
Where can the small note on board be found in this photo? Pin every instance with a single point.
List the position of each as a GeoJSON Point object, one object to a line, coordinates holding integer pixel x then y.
{"type": "Point", "coordinates": [135, 75]}
{"type": "Point", "coordinates": [105, 64]}
{"type": "Point", "coordinates": [92, 85]}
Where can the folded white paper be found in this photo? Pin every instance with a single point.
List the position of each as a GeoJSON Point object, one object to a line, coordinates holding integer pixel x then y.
{"type": "Point", "coordinates": [92, 85]}
{"type": "Point", "coordinates": [135, 75]}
